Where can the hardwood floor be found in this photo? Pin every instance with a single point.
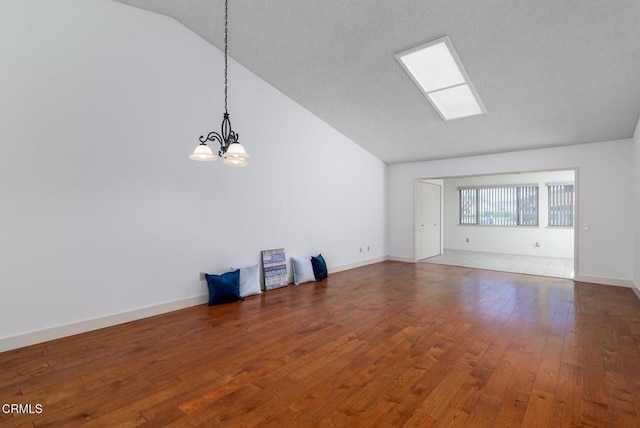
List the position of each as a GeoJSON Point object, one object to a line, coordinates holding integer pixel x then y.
{"type": "Point", "coordinates": [387, 345]}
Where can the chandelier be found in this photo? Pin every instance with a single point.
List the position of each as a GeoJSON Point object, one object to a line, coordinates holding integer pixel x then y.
{"type": "Point", "coordinates": [230, 149]}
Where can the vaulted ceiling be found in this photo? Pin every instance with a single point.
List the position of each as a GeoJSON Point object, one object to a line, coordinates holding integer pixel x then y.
{"type": "Point", "coordinates": [549, 72]}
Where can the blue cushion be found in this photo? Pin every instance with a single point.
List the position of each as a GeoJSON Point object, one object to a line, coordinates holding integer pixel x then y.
{"type": "Point", "coordinates": [224, 288]}
{"type": "Point", "coordinates": [319, 267]}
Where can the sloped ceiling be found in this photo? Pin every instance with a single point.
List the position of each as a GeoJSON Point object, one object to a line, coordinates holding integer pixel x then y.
{"type": "Point", "coordinates": [549, 72]}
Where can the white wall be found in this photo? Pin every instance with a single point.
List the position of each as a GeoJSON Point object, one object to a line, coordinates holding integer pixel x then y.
{"type": "Point", "coordinates": [636, 192]}
{"type": "Point", "coordinates": [554, 242]}
{"type": "Point", "coordinates": [604, 175]}
{"type": "Point", "coordinates": [101, 211]}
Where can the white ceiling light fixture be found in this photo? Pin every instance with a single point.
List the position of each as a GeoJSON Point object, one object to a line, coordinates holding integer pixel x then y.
{"type": "Point", "coordinates": [230, 149]}
{"type": "Point", "coordinates": [437, 70]}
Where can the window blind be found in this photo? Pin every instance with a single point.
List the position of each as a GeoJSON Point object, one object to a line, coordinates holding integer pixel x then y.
{"type": "Point", "coordinates": [515, 205]}
{"type": "Point", "coordinates": [561, 205]}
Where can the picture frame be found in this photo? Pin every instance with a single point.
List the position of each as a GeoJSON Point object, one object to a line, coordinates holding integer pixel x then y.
{"type": "Point", "coordinates": [274, 269]}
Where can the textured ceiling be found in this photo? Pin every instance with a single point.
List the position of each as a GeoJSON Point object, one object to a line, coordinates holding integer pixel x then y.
{"type": "Point", "coordinates": [549, 72]}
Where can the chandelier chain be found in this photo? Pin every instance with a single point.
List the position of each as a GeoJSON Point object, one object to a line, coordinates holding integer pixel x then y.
{"type": "Point", "coordinates": [226, 36]}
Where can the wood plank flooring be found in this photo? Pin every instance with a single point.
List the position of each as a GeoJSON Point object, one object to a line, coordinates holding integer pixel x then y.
{"type": "Point", "coordinates": [387, 345]}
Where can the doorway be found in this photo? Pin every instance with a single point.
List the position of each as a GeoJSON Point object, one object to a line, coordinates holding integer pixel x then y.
{"type": "Point", "coordinates": [539, 238]}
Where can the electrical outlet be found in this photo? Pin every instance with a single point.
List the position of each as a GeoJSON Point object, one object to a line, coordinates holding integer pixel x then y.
{"type": "Point", "coordinates": [537, 244]}
{"type": "Point", "coordinates": [466, 240]}
{"type": "Point", "coordinates": [368, 248]}
{"type": "Point", "coordinates": [360, 249]}
{"type": "Point", "coordinates": [202, 277]}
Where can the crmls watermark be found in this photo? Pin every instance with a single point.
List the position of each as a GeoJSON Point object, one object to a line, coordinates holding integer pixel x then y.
{"type": "Point", "coordinates": [14, 408]}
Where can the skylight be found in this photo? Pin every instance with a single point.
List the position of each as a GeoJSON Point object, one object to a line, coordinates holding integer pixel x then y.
{"type": "Point", "coordinates": [438, 72]}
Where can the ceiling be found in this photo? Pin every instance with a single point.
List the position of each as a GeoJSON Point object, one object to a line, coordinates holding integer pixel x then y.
{"type": "Point", "coordinates": [549, 72]}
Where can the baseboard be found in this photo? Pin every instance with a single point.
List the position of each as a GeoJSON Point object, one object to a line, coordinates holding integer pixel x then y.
{"type": "Point", "coordinates": [46, 335]}
{"type": "Point", "coordinates": [361, 263]}
{"type": "Point", "coordinates": [401, 259]}
{"type": "Point", "coordinates": [31, 338]}
{"type": "Point", "coordinates": [605, 281]}
{"type": "Point", "coordinates": [636, 290]}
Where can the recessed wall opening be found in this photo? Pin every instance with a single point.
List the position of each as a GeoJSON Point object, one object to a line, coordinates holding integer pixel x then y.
{"type": "Point", "coordinates": [518, 222]}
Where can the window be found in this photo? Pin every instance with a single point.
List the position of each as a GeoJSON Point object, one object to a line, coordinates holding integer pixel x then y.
{"type": "Point", "coordinates": [561, 205]}
{"type": "Point", "coordinates": [468, 206]}
{"type": "Point", "coordinates": [499, 205]}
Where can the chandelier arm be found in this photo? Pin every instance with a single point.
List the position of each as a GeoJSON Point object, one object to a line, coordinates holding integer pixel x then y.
{"type": "Point", "coordinates": [212, 136]}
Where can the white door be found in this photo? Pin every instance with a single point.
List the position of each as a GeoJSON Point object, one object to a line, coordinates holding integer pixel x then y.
{"type": "Point", "coordinates": [427, 217]}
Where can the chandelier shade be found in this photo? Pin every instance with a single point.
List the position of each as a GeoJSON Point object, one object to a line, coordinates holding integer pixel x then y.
{"type": "Point", "coordinates": [236, 155]}
{"type": "Point", "coordinates": [203, 152]}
